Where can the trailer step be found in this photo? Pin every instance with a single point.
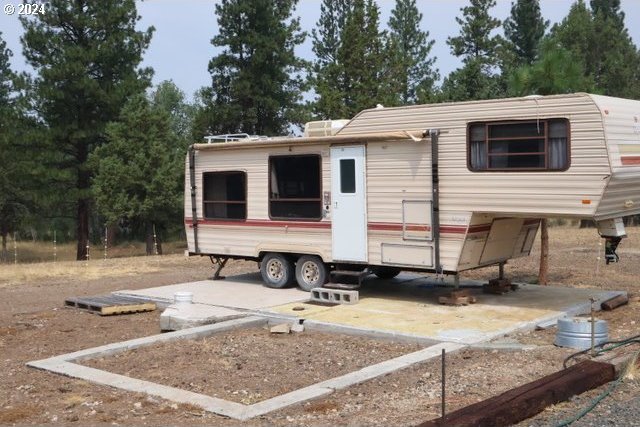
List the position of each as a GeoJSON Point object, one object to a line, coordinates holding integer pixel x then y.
{"type": "Point", "coordinates": [108, 305]}
{"type": "Point", "coordinates": [360, 275]}
{"type": "Point", "coordinates": [341, 286]}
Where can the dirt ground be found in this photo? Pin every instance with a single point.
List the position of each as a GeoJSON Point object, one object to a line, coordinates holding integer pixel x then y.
{"type": "Point", "coordinates": [245, 375]}
{"type": "Point", "coordinates": [34, 325]}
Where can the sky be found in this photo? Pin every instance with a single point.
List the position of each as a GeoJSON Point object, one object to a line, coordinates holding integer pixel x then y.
{"type": "Point", "coordinates": [181, 46]}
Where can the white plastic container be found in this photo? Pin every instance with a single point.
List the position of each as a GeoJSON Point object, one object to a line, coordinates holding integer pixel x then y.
{"type": "Point", "coordinates": [183, 297]}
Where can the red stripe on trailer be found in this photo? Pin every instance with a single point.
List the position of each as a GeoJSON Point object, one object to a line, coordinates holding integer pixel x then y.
{"type": "Point", "coordinates": [374, 226]}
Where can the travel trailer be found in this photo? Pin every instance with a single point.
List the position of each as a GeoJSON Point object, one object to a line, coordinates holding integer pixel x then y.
{"type": "Point", "coordinates": [437, 188]}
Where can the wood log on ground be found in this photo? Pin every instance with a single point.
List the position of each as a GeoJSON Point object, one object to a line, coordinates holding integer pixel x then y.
{"type": "Point", "coordinates": [525, 401]}
{"type": "Point", "coordinates": [614, 302]}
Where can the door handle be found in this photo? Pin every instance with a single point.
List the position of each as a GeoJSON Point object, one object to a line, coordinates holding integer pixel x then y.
{"type": "Point", "coordinates": [335, 205]}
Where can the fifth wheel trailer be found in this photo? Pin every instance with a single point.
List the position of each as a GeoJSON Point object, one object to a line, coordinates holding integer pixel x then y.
{"type": "Point", "coordinates": [437, 188]}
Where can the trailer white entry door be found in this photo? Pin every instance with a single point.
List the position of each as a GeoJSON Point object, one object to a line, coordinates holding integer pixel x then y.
{"type": "Point", "coordinates": [348, 213]}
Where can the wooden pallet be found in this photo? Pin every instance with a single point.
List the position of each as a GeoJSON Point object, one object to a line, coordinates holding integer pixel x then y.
{"type": "Point", "coordinates": [108, 305]}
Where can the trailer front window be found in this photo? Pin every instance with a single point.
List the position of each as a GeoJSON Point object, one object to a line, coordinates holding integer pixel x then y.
{"type": "Point", "coordinates": [539, 145]}
{"type": "Point", "coordinates": [295, 187]}
{"type": "Point", "coordinates": [225, 195]}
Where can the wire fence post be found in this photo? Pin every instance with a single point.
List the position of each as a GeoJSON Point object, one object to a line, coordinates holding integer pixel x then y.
{"type": "Point", "coordinates": [15, 248]}
{"type": "Point", "coordinates": [106, 240]}
{"type": "Point", "coordinates": [444, 382]}
{"type": "Point", "coordinates": [87, 257]}
{"type": "Point", "coordinates": [155, 240]}
{"type": "Point", "coordinates": [55, 247]}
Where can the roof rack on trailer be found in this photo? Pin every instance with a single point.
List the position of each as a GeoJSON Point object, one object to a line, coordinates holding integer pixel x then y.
{"type": "Point", "coordinates": [229, 137]}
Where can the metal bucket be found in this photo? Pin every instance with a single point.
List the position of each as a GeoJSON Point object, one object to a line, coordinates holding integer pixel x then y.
{"type": "Point", "coordinates": [183, 297]}
{"type": "Point", "coordinates": [575, 332]}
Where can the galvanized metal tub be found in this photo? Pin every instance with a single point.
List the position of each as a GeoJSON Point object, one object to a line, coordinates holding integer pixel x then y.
{"type": "Point", "coordinates": [575, 332]}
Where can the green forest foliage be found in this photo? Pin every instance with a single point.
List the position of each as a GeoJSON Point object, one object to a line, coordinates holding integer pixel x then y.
{"type": "Point", "coordinates": [84, 142]}
{"type": "Point", "coordinates": [86, 57]}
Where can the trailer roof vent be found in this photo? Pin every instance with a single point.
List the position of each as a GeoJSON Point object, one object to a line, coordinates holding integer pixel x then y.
{"type": "Point", "coordinates": [324, 127]}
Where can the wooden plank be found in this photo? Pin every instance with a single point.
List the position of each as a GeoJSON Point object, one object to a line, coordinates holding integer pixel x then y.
{"type": "Point", "coordinates": [130, 308]}
{"type": "Point", "coordinates": [525, 401]}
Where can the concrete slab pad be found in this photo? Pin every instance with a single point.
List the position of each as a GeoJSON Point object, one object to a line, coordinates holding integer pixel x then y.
{"type": "Point", "coordinates": [409, 305]}
{"type": "Point", "coordinates": [183, 316]}
{"type": "Point", "coordinates": [244, 291]}
{"type": "Point", "coordinates": [406, 306]}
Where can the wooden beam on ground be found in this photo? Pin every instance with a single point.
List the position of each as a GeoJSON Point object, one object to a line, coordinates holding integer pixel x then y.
{"type": "Point", "coordinates": [525, 401]}
{"type": "Point", "coordinates": [614, 302]}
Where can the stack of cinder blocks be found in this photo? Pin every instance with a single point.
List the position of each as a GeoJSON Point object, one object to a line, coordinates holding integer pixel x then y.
{"type": "Point", "coordinates": [334, 296]}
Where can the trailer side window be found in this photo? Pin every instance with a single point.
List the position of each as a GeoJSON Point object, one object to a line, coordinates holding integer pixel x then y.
{"type": "Point", "coordinates": [538, 145]}
{"type": "Point", "coordinates": [295, 187]}
{"type": "Point", "coordinates": [225, 195]}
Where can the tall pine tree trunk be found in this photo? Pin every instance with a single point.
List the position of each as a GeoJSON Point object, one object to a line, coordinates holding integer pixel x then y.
{"type": "Point", "coordinates": [4, 254]}
{"type": "Point", "coordinates": [82, 229]}
{"type": "Point", "coordinates": [83, 210]}
{"type": "Point", "coordinates": [149, 238]}
{"type": "Point", "coordinates": [544, 254]}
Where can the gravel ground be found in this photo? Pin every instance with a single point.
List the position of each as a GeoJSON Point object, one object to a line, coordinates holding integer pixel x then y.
{"type": "Point", "coordinates": [243, 375]}
{"type": "Point", "coordinates": [34, 325]}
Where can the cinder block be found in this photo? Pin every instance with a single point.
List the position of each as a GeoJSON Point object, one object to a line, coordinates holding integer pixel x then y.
{"type": "Point", "coordinates": [335, 296]}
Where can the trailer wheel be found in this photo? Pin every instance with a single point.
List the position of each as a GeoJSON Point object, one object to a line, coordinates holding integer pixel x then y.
{"type": "Point", "coordinates": [311, 272]}
{"type": "Point", "coordinates": [385, 273]}
{"type": "Point", "coordinates": [277, 271]}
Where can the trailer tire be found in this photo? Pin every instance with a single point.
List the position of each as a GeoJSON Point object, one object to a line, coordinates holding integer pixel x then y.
{"type": "Point", "coordinates": [311, 272]}
{"type": "Point", "coordinates": [277, 270]}
{"type": "Point", "coordinates": [385, 273]}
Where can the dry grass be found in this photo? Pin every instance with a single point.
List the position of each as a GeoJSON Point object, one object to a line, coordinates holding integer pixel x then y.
{"type": "Point", "coordinates": [39, 251]}
{"type": "Point", "coordinates": [632, 372]}
{"type": "Point", "coordinates": [80, 270]}
{"type": "Point", "coordinates": [10, 415]}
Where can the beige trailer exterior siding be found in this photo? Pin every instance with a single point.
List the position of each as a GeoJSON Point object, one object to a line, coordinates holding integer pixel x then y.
{"type": "Point", "coordinates": [248, 238]}
{"type": "Point", "coordinates": [526, 194]}
{"type": "Point", "coordinates": [396, 171]}
{"type": "Point", "coordinates": [621, 119]}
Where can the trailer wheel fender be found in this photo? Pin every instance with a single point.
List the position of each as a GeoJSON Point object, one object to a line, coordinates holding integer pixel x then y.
{"type": "Point", "coordinates": [311, 272]}
{"type": "Point", "coordinates": [277, 270]}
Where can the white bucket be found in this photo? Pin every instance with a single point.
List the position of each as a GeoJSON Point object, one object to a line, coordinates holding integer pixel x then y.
{"type": "Point", "coordinates": [183, 297]}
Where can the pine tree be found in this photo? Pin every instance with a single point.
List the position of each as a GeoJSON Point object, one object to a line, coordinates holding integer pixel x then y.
{"type": "Point", "coordinates": [478, 49]}
{"type": "Point", "coordinates": [408, 63]}
{"type": "Point", "coordinates": [11, 207]}
{"type": "Point", "coordinates": [616, 58]}
{"type": "Point", "coordinates": [601, 42]}
{"type": "Point", "coordinates": [138, 171]}
{"type": "Point", "coordinates": [524, 30]}
{"type": "Point", "coordinates": [556, 71]}
{"type": "Point", "coordinates": [169, 98]}
{"type": "Point", "coordinates": [362, 56]}
{"type": "Point", "coordinates": [328, 72]}
{"type": "Point", "coordinates": [86, 55]}
{"type": "Point", "coordinates": [609, 9]}
{"type": "Point", "coordinates": [19, 170]}
{"type": "Point", "coordinates": [257, 80]}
